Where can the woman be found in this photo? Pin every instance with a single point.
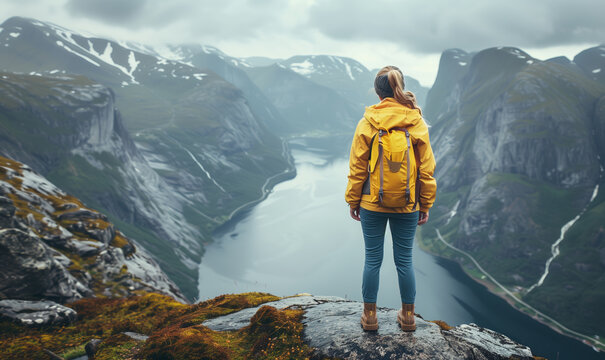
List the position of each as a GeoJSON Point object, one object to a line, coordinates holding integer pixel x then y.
{"type": "Point", "coordinates": [397, 116]}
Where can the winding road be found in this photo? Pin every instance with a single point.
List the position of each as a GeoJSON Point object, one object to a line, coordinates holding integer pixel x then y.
{"type": "Point", "coordinates": [516, 299]}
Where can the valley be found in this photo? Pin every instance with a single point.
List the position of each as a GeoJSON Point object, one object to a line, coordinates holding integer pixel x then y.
{"type": "Point", "coordinates": [181, 144]}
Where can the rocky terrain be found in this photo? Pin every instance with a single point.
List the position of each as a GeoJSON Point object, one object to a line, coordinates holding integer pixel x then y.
{"type": "Point", "coordinates": [55, 248]}
{"type": "Point", "coordinates": [332, 330]}
{"type": "Point", "coordinates": [520, 164]}
{"type": "Point", "coordinates": [252, 325]}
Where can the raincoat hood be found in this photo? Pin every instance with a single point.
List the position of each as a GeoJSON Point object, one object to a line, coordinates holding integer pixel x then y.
{"type": "Point", "coordinates": [389, 114]}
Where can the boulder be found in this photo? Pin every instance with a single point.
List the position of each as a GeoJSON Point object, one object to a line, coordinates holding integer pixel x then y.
{"type": "Point", "coordinates": [92, 347]}
{"type": "Point", "coordinates": [37, 313]}
{"type": "Point", "coordinates": [28, 270]}
{"type": "Point", "coordinates": [332, 328]}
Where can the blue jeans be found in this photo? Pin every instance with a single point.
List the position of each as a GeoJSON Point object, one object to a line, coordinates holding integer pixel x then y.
{"type": "Point", "coordinates": [403, 228]}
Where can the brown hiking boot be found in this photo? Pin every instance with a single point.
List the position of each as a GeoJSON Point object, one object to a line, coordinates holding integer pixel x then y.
{"type": "Point", "coordinates": [405, 317]}
{"type": "Point", "coordinates": [369, 321]}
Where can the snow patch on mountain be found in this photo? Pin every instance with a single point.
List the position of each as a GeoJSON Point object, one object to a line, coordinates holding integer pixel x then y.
{"type": "Point", "coordinates": [132, 61]}
{"type": "Point", "coordinates": [89, 53]}
{"type": "Point", "coordinates": [348, 67]}
{"type": "Point", "coordinates": [61, 44]}
{"type": "Point", "coordinates": [303, 68]}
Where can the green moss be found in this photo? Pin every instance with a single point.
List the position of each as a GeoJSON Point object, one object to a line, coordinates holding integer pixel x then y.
{"type": "Point", "coordinates": [167, 321]}
{"type": "Point", "coordinates": [118, 346]}
{"type": "Point", "coordinates": [74, 352]}
{"type": "Point", "coordinates": [272, 333]}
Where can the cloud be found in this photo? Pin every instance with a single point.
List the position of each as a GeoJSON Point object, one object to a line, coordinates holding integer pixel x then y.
{"type": "Point", "coordinates": [119, 12]}
{"type": "Point", "coordinates": [218, 19]}
{"type": "Point", "coordinates": [431, 26]}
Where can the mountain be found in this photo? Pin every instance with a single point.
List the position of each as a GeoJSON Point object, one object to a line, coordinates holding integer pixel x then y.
{"type": "Point", "coordinates": [518, 143]}
{"type": "Point", "coordinates": [453, 65]}
{"type": "Point", "coordinates": [305, 105]}
{"type": "Point", "coordinates": [260, 61]}
{"type": "Point", "coordinates": [198, 152]}
{"type": "Point", "coordinates": [352, 80]}
{"type": "Point", "coordinates": [55, 248]}
{"type": "Point", "coordinates": [230, 69]}
{"type": "Point", "coordinates": [592, 62]}
{"type": "Point", "coordinates": [68, 129]}
{"type": "Point", "coordinates": [348, 77]}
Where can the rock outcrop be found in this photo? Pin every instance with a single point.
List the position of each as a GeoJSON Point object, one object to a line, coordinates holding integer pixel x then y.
{"type": "Point", "coordinates": [332, 328]}
{"type": "Point", "coordinates": [37, 313]}
{"type": "Point", "coordinates": [251, 326]}
{"type": "Point", "coordinates": [52, 247]}
{"type": "Point", "coordinates": [30, 271]}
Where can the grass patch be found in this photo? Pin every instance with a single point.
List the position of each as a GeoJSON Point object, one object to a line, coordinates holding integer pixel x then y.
{"type": "Point", "coordinates": [175, 330]}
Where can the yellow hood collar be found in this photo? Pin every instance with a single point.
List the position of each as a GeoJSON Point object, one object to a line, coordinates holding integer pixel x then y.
{"type": "Point", "coordinates": [389, 113]}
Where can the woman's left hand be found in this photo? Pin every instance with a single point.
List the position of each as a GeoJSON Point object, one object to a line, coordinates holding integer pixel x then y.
{"type": "Point", "coordinates": [423, 217]}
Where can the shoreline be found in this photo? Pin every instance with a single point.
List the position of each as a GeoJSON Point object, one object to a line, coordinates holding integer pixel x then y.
{"type": "Point", "coordinates": [271, 182]}
{"type": "Point", "coordinates": [491, 288]}
{"type": "Point", "coordinates": [288, 174]}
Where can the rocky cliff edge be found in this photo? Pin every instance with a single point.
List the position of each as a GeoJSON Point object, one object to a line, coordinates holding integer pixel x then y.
{"type": "Point", "coordinates": [246, 326]}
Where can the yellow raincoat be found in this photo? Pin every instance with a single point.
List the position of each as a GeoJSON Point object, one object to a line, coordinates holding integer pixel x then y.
{"type": "Point", "coordinates": [386, 115]}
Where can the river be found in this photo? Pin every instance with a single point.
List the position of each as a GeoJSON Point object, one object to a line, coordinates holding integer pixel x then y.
{"type": "Point", "coordinates": [302, 240]}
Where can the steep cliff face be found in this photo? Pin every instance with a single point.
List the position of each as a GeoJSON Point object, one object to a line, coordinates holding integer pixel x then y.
{"type": "Point", "coordinates": [517, 147]}
{"type": "Point", "coordinates": [69, 130]}
{"type": "Point", "coordinates": [55, 248]}
{"type": "Point", "coordinates": [442, 97]}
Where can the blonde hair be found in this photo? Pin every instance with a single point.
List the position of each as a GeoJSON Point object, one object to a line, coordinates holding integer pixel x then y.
{"type": "Point", "coordinates": [396, 84]}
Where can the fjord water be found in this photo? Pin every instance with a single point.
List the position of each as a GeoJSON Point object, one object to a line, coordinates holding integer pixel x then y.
{"type": "Point", "coordinates": [301, 239]}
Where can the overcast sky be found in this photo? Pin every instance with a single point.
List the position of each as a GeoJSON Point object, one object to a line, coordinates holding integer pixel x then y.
{"type": "Point", "coordinates": [409, 34]}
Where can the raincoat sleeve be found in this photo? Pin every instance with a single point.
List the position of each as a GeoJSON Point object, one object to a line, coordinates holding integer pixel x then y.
{"type": "Point", "coordinates": [358, 163]}
{"type": "Point", "coordinates": [428, 185]}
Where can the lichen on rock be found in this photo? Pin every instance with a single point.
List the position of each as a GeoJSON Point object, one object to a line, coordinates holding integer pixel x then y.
{"type": "Point", "coordinates": [56, 248]}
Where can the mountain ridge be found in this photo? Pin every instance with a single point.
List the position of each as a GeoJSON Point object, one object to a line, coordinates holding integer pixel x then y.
{"type": "Point", "coordinates": [195, 131]}
{"type": "Point", "coordinates": [518, 158]}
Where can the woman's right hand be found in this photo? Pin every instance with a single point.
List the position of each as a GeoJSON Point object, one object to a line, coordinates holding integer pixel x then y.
{"type": "Point", "coordinates": [354, 211]}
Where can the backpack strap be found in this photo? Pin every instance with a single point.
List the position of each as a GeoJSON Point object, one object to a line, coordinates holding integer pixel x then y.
{"type": "Point", "coordinates": [365, 190]}
{"type": "Point", "coordinates": [380, 191]}
{"type": "Point", "coordinates": [407, 183]}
